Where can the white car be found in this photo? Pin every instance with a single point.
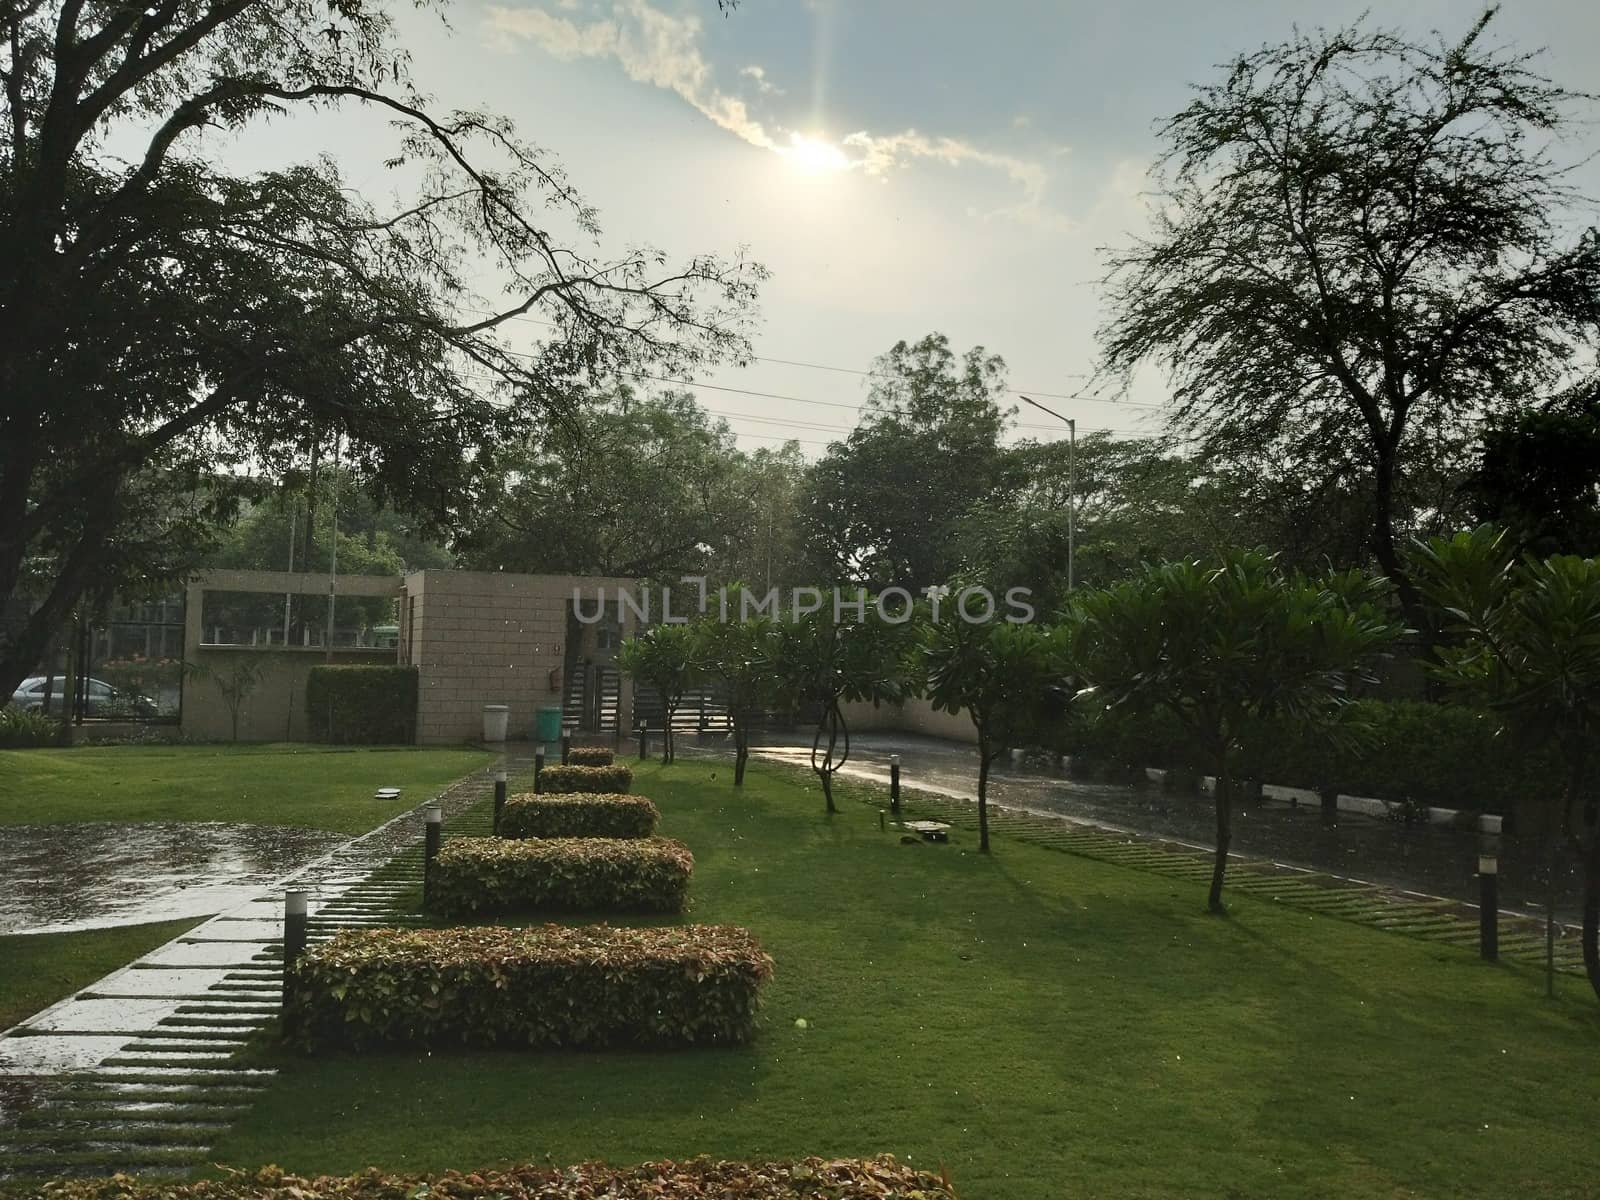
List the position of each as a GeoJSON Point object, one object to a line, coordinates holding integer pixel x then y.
{"type": "Point", "coordinates": [103, 699]}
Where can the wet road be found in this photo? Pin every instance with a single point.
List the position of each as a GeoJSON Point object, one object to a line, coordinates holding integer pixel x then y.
{"type": "Point", "coordinates": [1433, 859]}
{"type": "Point", "coordinates": [57, 878]}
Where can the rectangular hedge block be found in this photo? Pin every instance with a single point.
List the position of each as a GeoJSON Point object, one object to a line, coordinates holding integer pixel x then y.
{"type": "Point", "coordinates": [550, 985]}
{"type": "Point", "coordinates": [367, 705]}
{"type": "Point", "coordinates": [577, 778]}
{"type": "Point", "coordinates": [504, 875]}
{"type": "Point", "coordinates": [880, 1178]}
{"type": "Point", "coordinates": [590, 756]}
{"type": "Point", "coordinates": [578, 814]}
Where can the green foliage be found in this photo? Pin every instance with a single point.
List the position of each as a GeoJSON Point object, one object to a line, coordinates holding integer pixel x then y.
{"type": "Point", "coordinates": [1011, 679]}
{"type": "Point", "coordinates": [21, 729]}
{"type": "Point", "coordinates": [1222, 648]}
{"type": "Point", "coordinates": [743, 657]}
{"type": "Point", "coordinates": [1361, 245]}
{"type": "Point", "coordinates": [1446, 755]}
{"type": "Point", "coordinates": [591, 874]}
{"type": "Point", "coordinates": [666, 658]}
{"type": "Point", "coordinates": [575, 777]}
{"type": "Point", "coordinates": [578, 815]}
{"type": "Point", "coordinates": [362, 705]}
{"type": "Point", "coordinates": [590, 756]}
{"type": "Point", "coordinates": [583, 986]}
{"type": "Point", "coordinates": [880, 505]}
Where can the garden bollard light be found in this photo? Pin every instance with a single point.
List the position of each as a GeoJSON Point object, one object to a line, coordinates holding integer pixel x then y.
{"type": "Point", "coordinates": [1489, 888]}
{"type": "Point", "coordinates": [894, 783]}
{"type": "Point", "coordinates": [296, 924]}
{"type": "Point", "coordinates": [566, 745]}
{"type": "Point", "coordinates": [538, 768]}
{"type": "Point", "coordinates": [432, 836]}
{"type": "Point", "coordinates": [644, 741]}
{"type": "Point", "coordinates": [499, 796]}
{"type": "Point", "coordinates": [883, 821]}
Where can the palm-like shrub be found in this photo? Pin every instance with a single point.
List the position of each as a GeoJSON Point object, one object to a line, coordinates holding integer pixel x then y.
{"type": "Point", "coordinates": [1223, 647]}
{"type": "Point", "coordinates": [1525, 637]}
{"type": "Point", "coordinates": [666, 657]}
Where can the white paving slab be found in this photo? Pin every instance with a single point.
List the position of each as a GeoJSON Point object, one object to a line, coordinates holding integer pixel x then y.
{"type": "Point", "coordinates": [49, 1054]}
{"type": "Point", "coordinates": [128, 1017]}
{"type": "Point", "coordinates": [205, 954]}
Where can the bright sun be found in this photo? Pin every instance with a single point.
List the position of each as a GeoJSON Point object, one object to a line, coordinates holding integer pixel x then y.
{"type": "Point", "coordinates": [814, 155]}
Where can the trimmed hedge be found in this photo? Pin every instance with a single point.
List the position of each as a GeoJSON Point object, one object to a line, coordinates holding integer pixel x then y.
{"type": "Point", "coordinates": [359, 705]}
{"type": "Point", "coordinates": [590, 756]}
{"type": "Point", "coordinates": [698, 1179]}
{"type": "Point", "coordinates": [551, 985]}
{"type": "Point", "coordinates": [576, 777]}
{"type": "Point", "coordinates": [502, 875]}
{"type": "Point", "coordinates": [1402, 751]}
{"type": "Point", "coordinates": [578, 814]}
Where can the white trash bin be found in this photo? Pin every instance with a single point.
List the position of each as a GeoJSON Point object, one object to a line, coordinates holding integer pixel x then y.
{"type": "Point", "coordinates": [496, 720]}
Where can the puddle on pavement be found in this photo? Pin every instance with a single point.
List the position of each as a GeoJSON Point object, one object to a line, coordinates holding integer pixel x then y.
{"type": "Point", "coordinates": [59, 878]}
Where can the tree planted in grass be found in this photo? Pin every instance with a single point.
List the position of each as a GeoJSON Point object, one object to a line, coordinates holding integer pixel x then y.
{"type": "Point", "coordinates": [1525, 636]}
{"type": "Point", "coordinates": [667, 658]}
{"type": "Point", "coordinates": [825, 660]}
{"type": "Point", "coordinates": [1224, 648]}
{"type": "Point", "coordinates": [743, 655]}
{"type": "Point", "coordinates": [1011, 680]}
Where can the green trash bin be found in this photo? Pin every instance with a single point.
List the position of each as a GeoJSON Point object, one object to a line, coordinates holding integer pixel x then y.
{"type": "Point", "coordinates": [549, 727]}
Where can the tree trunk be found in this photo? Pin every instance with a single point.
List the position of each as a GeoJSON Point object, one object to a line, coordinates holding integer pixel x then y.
{"type": "Point", "coordinates": [1385, 551]}
{"type": "Point", "coordinates": [827, 789]}
{"type": "Point", "coordinates": [983, 797]}
{"type": "Point", "coordinates": [741, 752]}
{"type": "Point", "coordinates": [1591, 910]}
{"type": "Point", "coordinates": [1224, 807]}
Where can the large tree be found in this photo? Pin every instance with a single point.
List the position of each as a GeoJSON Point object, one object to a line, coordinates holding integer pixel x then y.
{"type": "Point", "coordinates": [1360, 243]}
{"type": "Point", "coordinates": [165, 324]}
{"type": "Point", "coordinates": [880, 506]}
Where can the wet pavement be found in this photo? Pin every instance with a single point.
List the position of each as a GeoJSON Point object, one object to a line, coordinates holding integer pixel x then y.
{"type": "Point", "coordinates": [1433, 859]}
{"type": "Point", "coordinates": [60, 878]}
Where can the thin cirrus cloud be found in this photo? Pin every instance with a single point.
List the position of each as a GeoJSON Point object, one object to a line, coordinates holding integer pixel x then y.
{"type": "Point", "coordinates": [663, 50]}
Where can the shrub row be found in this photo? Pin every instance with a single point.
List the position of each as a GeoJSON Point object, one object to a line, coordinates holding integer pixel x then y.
{"type": "Point", "coordinates": [580, 778]}
{"type": "Point", "coordinates": [698, 1179]}
{"type": "Point", "coordinates": [590, 756]}
{"type": "Point", "coordinates": [22, 730]}
{"type": "Point", "coordinates": [552, 985]}
{"type": "Point", "coordinates": [362, 705]}
{"type": "Point", "coordinates": [578, 815]}
{"type": "Point", "coordinates": [1427, 754]}
{"type": "Point", "coordinates": [502, 875]}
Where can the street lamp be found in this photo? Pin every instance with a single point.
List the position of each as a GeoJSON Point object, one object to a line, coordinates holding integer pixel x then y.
{"type": "Point", "coordinates": [1072, 484]}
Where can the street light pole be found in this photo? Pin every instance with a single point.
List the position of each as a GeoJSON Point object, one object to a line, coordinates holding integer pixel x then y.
{"type": "Point", "coordinates": [1072, 487]}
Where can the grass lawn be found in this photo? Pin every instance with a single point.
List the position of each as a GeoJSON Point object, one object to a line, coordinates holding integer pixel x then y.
{"type": "Point", "coordinates": [1041, 1024]}
{"type": "Point", "coordinates": [317, 787]}
{"type": "Point", "coordinates": [37, 969]}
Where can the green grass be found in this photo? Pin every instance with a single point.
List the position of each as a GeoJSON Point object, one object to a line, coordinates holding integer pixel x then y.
{"type": "Point", "coordinates": [37, 969]}
{"type": "Point", "coordinates": [315, 787]}
{"type": "Point", "coordinates": [1042, 1024]}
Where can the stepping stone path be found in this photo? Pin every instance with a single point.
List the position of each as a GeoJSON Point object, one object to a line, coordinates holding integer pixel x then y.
{"type": "Point", "coordinates": [144, 1070]}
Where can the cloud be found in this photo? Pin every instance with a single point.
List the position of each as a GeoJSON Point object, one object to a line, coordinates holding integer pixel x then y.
{"type": "Point", "coordinates": [663, 50]}
{"type": "Point", "coordinates": [651, 46]}
{"type": "Point", "coordinates": [763, 85]}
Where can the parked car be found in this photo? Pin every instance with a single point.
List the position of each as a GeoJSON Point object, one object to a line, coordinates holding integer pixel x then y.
{"type": "Point", "coordinates": [103, 699]}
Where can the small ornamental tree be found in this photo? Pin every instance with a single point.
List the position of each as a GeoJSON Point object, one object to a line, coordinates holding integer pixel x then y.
{"type": "Point", "coordinates": [1525, 636]}
{"type": "Point", "coordinates": [743, 656]}
{"type": "Point", "coordinates": [826, 660]}
{"type": "Point", "coordinates": [665, 657]}
{"type": "Point", "coordinates": [1225, 647]}
{"type": "Point", "coordinates": [1010, 679]}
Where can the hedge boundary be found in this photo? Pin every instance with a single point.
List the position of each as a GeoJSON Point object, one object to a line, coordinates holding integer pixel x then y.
{"type": "Point", "coordinates": [362, 705]}
{"type": "Point", "coordinates": [590, 756]}
{"type": "Point", "coordinates": [880, 1178]}
{"type": "Point", "coordinates": [576, 777]}
{"type": "Point", "coordinates": [543, 986]}
{"type": "Point", "coordinates": [599, 874]}
{"type": "Point", "coordinates": [578, 815]}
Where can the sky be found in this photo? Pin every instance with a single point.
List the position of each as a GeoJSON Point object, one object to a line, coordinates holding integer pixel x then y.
{"type": "Point", "coordinates": [901, 166]}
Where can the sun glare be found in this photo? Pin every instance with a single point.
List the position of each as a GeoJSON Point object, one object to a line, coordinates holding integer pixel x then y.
{"type": "Point", "coordinates": [814, 155]}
